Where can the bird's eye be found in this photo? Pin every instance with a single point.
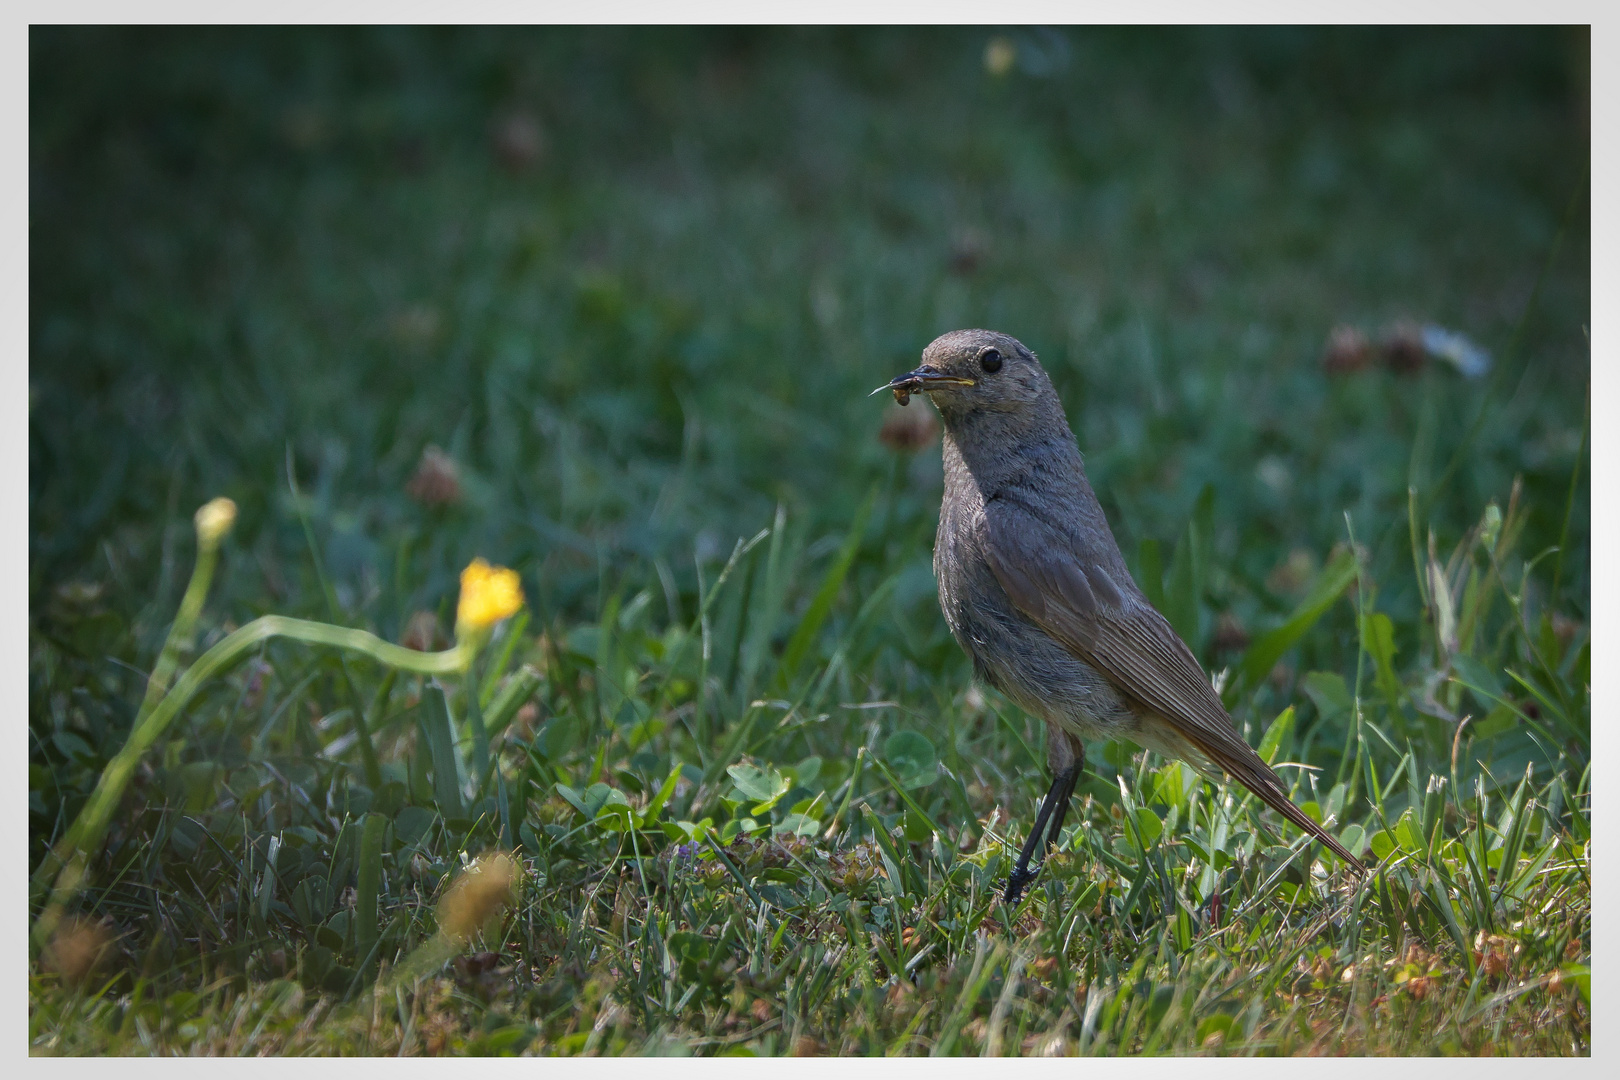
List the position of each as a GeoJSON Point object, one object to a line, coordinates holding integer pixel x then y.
{"type": "Point", "coordinates": [990, 360]}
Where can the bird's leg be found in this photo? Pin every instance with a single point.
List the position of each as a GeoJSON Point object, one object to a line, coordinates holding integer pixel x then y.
{"type": "Point", "coordinates": [1061, 810]}
{"type": "Point", "coordinates": [1067, 757]}
{"type": "Point", "coordinates": [1021, 874]}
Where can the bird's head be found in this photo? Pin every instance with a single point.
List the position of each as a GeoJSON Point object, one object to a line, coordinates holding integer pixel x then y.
{"type": "Point", "coordinates": [973, 370]}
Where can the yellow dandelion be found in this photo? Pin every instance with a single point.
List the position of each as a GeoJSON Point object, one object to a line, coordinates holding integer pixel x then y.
{"type": "Point", "coordinates": [488, 595]}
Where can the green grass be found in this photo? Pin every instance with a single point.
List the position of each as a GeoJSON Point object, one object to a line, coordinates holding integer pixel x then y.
{"type": "Point", "coordinates": [276, 265]}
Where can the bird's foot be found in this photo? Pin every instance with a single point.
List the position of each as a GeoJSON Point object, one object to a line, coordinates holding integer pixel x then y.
{"type": "Point", "coordinates": [1020, 877]}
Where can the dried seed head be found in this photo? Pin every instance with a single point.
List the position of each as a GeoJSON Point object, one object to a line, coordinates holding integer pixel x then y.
{"type": "Point", "coordinates": [1230, 634]}
{"type": "Point", "coordinates": [1564, 628]}
{"type": "Point", "coordinates": [518, 140]}
{"type": "Point", "coordinates": [1494, 953]}
{"type": "Point", "coordinates": [905, 431]}
{"type": "Point", "coordinates": [523, 721]}
{"type": "Point", "coordinates": [1402, 346]}
{"type": "Point", "coordinates": [1347, 350]}
{"type": "Point", "coordinates": [478, 895]}
{"type": "Point", "coordinates": [1292, 574]}
{"type": "Point", "coordinates": [77, 949]}
{"type": "Point", "coordinates": [437, 480]}
{"type": "Point", "coordinates": [968, 250]}
{"type": "Point", "coordinates": [422, 632]}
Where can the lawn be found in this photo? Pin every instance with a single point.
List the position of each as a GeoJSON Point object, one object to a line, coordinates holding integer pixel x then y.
{"type": "Point", "coordinates": [604, 307]}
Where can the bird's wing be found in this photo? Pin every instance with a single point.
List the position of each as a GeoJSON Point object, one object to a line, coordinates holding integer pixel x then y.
{"type": "Point", "coordinates": [1109, 625]}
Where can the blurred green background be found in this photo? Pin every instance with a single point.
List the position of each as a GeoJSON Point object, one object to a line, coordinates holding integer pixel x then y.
{"type": "Point", "coordinates": [594, 304]}
{"type": "Point", "coordinates": [637, 284]}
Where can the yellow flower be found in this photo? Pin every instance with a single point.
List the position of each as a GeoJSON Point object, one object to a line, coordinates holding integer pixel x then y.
{"type": "Point", "coordinates": [488, 595]}
{"type": "Point", "coordinates": [214, 519]}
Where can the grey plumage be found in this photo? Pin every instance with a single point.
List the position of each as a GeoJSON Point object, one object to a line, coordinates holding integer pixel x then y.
{"type": "Point", "coordinates": [1034, 588]}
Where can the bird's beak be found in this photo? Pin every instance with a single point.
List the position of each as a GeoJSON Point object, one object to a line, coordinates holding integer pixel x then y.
{"type": "Point", "coordinates": [923, 379]}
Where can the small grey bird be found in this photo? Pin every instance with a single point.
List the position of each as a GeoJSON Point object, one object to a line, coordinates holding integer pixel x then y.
{"type": "Point", "coordinates": [1036, 592]}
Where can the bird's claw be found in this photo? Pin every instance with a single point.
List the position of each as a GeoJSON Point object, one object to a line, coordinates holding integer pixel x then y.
{"type": "Point", "coordinates": [1020, 877]}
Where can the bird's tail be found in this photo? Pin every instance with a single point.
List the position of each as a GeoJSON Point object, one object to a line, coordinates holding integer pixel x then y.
{"type": "Point", "coordinates": [1275, 796]}
{"type": "Point", "coordinates": [1249, 769]}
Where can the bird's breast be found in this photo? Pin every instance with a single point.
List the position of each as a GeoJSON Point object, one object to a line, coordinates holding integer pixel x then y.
{"type": "Point", "coordinates": [977, 609]}
{"type": "Point", "coordinates": [1008, 650]}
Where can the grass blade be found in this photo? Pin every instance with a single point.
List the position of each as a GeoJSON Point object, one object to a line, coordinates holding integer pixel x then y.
{"type": "Point", "coordinates": [821, 604]}
{"type": "Point", "coordinates": [1267, 649]}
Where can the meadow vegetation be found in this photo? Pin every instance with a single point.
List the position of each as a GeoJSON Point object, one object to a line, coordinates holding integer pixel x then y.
{"type": "Point", "coordinates": [604, 307]}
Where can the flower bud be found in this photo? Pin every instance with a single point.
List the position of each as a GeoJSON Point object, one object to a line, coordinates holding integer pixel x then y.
{"type": "Point", "coordinates": [214, 519]}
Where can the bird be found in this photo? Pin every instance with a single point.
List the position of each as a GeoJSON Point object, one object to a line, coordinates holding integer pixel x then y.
{"type": "Point", "coordinates": [1034, 589]}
